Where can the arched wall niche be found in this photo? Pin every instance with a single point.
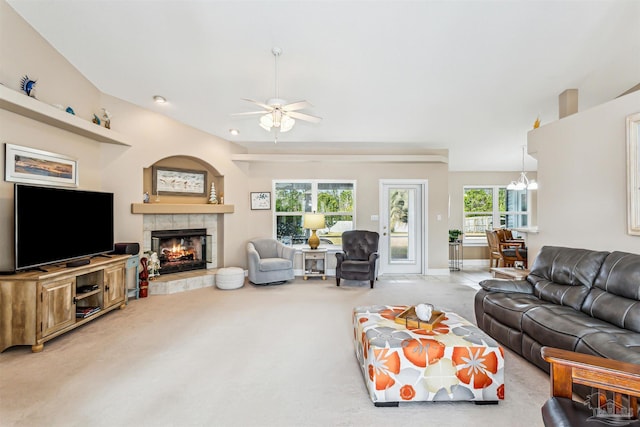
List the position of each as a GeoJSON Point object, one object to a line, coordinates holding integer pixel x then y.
{"type": "Point", "coordinates": [184, 162]}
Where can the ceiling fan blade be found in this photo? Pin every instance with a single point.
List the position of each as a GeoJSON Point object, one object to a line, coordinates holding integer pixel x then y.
{"type": "Point", "coordinates": [299, 105]}
{"type": "Point", "coordinates": [305, 117]}
{"type": "Point", "coordinates": [260, 104]}
{"type": "Point", "coordinates": [250, 113]}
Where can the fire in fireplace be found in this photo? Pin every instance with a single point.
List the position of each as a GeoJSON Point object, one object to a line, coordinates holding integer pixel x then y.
{"type": "Point", "coordinates": [180, 250]}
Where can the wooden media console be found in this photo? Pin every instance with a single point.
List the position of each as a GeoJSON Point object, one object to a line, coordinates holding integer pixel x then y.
{"type": "Point", "coordinates": [36, 306]}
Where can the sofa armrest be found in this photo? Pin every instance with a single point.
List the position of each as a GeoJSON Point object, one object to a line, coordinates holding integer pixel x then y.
{"type": "Point", "coordinates": [509, 286]}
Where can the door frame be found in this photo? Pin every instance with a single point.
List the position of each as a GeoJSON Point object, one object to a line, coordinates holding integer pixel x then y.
{"type": "Point", "coordinates": [423, 238]}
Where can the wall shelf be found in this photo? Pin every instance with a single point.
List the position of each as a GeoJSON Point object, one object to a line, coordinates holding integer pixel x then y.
{"type": "Point", "coordinates": [182, 208]}
{"type": "Point", "coordinates": [20, 103]}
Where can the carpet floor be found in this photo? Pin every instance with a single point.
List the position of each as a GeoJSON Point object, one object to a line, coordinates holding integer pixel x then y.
{"type": "Point", "coordinates": [255, 356]}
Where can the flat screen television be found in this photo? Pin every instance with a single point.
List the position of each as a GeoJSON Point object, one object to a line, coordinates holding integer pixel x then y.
{"type": "Point", "coordinates": [54, 225]}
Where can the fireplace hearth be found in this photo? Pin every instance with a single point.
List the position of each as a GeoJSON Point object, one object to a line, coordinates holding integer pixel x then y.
{"type": "Point", "coordinates": [180, 250]}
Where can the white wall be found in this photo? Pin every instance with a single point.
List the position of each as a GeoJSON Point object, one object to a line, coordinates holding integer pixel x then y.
{"type": "Point", "coordinates": [582, 199]}
{"type": "Point", "coordinates": [367, 176]}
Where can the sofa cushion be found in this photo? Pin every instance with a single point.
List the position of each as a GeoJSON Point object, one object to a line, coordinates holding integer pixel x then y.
{"type": "Point", "coordinates": [508, 308]}
{"type": "Point", "coordinates": [565, 275]}
{"type": "Point", "coordinates": [355, 266]}
{"type": "Point", "coordinates": [615, 296]}
{"type": "Point", "coordinates": [274, 264]}
{"type": "Point", "coordinates": [620, 345]}
{"type": "Point", "coordinates": [561, 326]}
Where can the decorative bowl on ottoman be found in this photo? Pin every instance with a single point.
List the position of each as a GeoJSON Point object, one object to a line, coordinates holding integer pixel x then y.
{"type": "Point", "coordinates": [453, 361]}
{"type": "Point", "coordinates": [230, 278]}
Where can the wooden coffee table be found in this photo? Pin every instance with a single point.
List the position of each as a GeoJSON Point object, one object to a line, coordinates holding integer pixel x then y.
{"type": "Point", "coordinates": [455, 361]}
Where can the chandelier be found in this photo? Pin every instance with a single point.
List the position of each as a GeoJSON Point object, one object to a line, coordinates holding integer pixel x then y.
{"type": "Point", "coordinates": [523, 182]}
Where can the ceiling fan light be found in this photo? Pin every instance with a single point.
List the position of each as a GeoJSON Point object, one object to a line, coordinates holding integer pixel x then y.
{"type": "Point", "coordinates": [266, 122]}
{"type": "Point", "coordinates": [520, 186]}
{"type": "Point", "coordinates": [532, 185]}
{"type": "Point", "coordinates": [287, 123]}
{"type": "Point", "coordinates": [511, 186]}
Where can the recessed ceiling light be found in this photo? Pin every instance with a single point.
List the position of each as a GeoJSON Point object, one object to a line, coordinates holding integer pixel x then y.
{"type": "Point", "coordinates": [159, 99]}
{"type": "Point", "coordinates": [234, 132]}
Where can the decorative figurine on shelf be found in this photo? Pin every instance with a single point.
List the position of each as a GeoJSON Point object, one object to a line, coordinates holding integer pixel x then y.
{"type": "Point", "coordinates": [212, 197]}
{"type": "Point", "coordinates": [96, 120]}
{"type": "Point", "coordinates": [28, 86]}
{"type": "Point", "coordinates": [106, 116]}
{"type": "Point", "coordinates": [536, 124]}
{"type": "Point", "coordinates": [70, 111]}
{"type": "Point", "coordinates": [145, 197]}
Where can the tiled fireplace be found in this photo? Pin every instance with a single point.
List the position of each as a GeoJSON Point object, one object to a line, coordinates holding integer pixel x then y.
{"type": "Point", "coordinates": [180, 279]}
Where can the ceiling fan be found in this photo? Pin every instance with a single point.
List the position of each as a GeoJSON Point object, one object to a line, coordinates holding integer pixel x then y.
{"type": "Point", "coordinates": [276, 113]}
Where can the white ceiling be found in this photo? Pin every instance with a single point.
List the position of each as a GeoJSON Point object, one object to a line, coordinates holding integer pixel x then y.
{"type": "Point", "coordinates": [468, 76]}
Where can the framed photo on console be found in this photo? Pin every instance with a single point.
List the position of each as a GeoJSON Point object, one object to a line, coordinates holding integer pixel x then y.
{"type": "Point", "coordinates": [261, 200]}
{"type": "Point", "coordinates": [179, 182]}
{"type": "Point", "coordinates": [633, 174]}
{"type": "Point", "coordinates": [31, 166]}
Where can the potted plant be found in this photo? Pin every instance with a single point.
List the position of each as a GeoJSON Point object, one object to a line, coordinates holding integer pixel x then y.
{"type": "Point", "coordinates": [454, 235]}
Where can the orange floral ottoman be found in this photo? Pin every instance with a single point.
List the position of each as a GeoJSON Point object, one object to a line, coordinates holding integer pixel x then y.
{"type": "Point", "coordinates": [454, 361]}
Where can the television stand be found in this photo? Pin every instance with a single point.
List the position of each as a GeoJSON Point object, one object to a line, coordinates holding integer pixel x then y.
{"type": "Point", "coordinates": [40, 306]}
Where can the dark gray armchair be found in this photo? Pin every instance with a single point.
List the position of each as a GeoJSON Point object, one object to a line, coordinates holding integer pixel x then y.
{"type": "Point", "coordinates": [359, 257]}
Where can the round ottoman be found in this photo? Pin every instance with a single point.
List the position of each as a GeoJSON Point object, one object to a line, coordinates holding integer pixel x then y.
{"type": "Point", "coordinates": [230, 278]}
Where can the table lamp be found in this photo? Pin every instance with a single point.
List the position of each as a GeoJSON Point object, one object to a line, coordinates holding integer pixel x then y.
{"type": "Point", "coordinates": [313, 222]}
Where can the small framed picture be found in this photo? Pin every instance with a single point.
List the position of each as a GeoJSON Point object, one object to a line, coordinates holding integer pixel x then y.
{"type": "Point", "coordinates": [261, 200]}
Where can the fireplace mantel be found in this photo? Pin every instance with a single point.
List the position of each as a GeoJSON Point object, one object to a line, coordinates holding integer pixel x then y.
{"type": "Point", "coordinates": [179, 208]}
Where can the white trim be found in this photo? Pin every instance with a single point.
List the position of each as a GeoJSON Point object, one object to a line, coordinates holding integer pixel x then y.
{"type": "Point", "coordinates": [350, 158]}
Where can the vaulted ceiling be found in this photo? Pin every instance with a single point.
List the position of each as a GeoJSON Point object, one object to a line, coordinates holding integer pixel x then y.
{"type": "Point", "coordinates": [385, 76]}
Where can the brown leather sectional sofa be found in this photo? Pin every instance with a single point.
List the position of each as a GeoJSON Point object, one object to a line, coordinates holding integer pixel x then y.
{"type": "Point", "coordinates": [574, 299]}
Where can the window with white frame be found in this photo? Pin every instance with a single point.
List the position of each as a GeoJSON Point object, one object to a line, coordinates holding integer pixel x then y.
{"type": "Point", "coordinates": [335, 199]}
{"type": "Point", "coordinates": [488, 207]}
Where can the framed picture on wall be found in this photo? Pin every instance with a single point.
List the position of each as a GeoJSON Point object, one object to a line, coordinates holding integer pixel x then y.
{"type": "Point", "coordinates": [179, 182]}
{"type": "Point", "coordinates": [261, 200]}
{"type": "Point", "coordinates": [31, 166]}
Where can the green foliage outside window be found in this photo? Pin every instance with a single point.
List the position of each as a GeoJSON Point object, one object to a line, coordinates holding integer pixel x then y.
{"type": "Point", "coordinates": [399, 213]}
{"type": "Point", "coordinates": [481, 200]}
{"type": "Point", "coordinates": [293, 199]}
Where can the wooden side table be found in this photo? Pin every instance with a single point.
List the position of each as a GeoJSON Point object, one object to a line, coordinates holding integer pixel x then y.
{"type": "Point", "coordinates": [509, 273]}
{"type": "Point", "coordinates": [314, 262]}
